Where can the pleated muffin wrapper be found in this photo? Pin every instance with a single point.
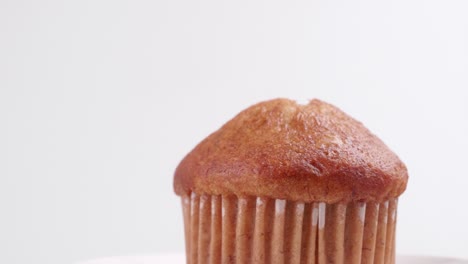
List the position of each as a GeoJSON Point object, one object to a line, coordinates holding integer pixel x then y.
{"type": "Point", "coordinates": [230, 229]}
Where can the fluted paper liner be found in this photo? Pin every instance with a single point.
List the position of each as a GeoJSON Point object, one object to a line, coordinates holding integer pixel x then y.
{"type": "Point", "coordinates": [242, 230]}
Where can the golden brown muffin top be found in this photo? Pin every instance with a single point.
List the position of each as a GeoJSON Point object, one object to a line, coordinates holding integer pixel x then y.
{"type": "Point", "coordinates": [284, 150]}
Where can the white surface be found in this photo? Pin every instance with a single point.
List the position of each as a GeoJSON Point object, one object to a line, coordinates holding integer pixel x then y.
{"type": "Point", "coordinates": [179, 259]}
{"type": "Point", "coordinates": [165, 258]}
{"type": "Point", "coordinates": [100, 99]}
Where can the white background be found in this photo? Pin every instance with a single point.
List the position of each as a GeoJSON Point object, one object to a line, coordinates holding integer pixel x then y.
{"type": "Point", "coordinates": [100, 100]}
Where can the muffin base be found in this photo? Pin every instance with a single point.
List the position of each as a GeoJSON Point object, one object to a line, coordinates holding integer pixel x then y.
{"type": "Point", "coordinates": [230, 229]}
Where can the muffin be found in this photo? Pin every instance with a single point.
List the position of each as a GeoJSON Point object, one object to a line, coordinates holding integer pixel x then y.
{"type": "Point", "coordinates": [290, 183]}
